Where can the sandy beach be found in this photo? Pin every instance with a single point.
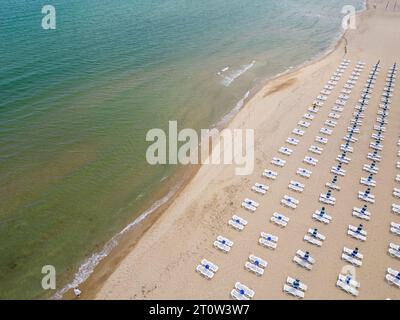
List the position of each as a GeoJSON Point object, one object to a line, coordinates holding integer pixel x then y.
{"type": "Point", "coordinates": [162, 264]}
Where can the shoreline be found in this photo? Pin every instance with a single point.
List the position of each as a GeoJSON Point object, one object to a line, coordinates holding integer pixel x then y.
{"type": "Point", "coordinates": [128, 240]}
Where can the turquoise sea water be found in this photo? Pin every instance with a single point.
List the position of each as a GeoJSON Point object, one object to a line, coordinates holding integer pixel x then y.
{"type": "Point", "coordinates": [76, 103]}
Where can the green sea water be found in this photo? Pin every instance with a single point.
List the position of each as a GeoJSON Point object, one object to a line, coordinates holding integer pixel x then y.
{"type": "Point", "coordinates": [76, 103]}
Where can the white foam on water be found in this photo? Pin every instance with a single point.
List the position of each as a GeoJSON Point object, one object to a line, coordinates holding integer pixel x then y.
{"type": "Point", "coordinates": [227, 80]}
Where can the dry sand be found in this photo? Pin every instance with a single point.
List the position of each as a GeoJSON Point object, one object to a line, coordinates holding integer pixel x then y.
{"type": "Point", "coordinates": [162, 265]}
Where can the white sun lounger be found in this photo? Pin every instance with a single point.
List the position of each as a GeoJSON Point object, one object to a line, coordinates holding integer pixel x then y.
{"type": "Point", "coordinates": [272, 175]}
{"type": "Point", "coordinates": [279, 219]}
{"type": "Point", "coordinates": [370, 169]}
{"type": "Point", "coordinates": [327, 200]}
{"type": "Point", "coordinates": [223, 244]}
{"type": "Point", "coordinates": [347, 288]}
{"type": "Point", "coordinates": [211, 266]}
{"type": "Point", "coordinates": [302, 261]}
{"type": "Point", "coordinates": [397, 179]}
{"type": "Point", "coordinates": [304, 173]}
{"type": "Point", "coordinates": [334, 115]}
{"type": "Point", "coordinates": [345, 148]}
{"type": "Point", "coordinates": [326, 131]}
{"type": "Point", "coordinates": [324, 218]}
{"type": "Point", "coordinates": [298, 132]}
{"type": "Point", "coordinates": [314, 238]}
{"type": "Point", "coordinates": [395, 228]}
{"type": "Point", "coordinates": [361, 235]}
{"type": "Point", "coordinates": [244, 289]}
{"type": "Point", "coordinates": [396, 208]}
{"type": "Point", "coordinates": [304, 124]}
{"type": "Point", "coordinates": [278, 162]}
{"type": "Point", "coordinates": [268, 240]}
{"type": "Point", "coordinates": [237, 222]}
{"type": "Point", "coordinates": [374, 157]}
{"type": "Point", "coordinates": [396, 192]}
{"type": "Point", "coordinates": [260, 188]}
{"type": "Point", "coordinates": [326, 92]}
{"type": "Point", "coordinates": [310, 160]}
{"type": "Point", "coordinates": [331, 123]}
{"type": "Point", "coordinates": [308, 116]}
{"type": "Point", "coordinates": [289, 202]}
{"type": "Point", "coordinates": [285, 151]}
{"type": "Point", "coordinates": [393, 277]}
{"type": "Point", "coordinates": [353, 130]}
{"type": "Point", "coordinates": [394, 250]}
{"type": "Point", "coordinates": [292, 141]}
{"type": "Point", "coordinates": [346, 91]}
{"type": "Point", "coordinates": [343, 159]}
{"type": "Point", "coordinates": [332, 186]}
{"type": "Point", "coordinates": [296, 186]}
{"type": "Point", "coordinates": [322, 97]}
{"type": "Point", "coordinates": [316, 150]}
{"type": "Point", "coordinates": [360, 213]}
{"type": "Point", "coordinates": [379, 128]}
{"type": "Point", "coordinates": [321, 140]}
{"type": "Point", "coordinates": [258, 261]}
{"type": "Point", "coordinates": [349, 280]}
{"type": "Point", "coordinates": [207, 273]}
{"type": "Point", "coordinates": [338, 171]}
{"type": "Point", "coordinates": [313, 109]}
{"type": "Point", "coordinates": [376, 146]}
{"type": "Point", "coordinates": [253, 268]}
{"type": "Point", "coordinates": [236, 295]}
{"type": "Point", "coordinates": [293, 291]}
{"type": "Point", "coordinates": [248, 206]}
{"type": "Point", "coordinates": [367, 198]}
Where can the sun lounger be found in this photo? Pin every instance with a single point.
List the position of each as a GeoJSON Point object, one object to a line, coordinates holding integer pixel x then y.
{"type": "Point", "coordinates": [315, 149]}
{"type": "Point", "coordinates": [350, 138]}
{"type": "Point", "coordinates": [237, 222]}
{"type": "Point", "coordinates": [258, 261]}
{"type": "Point", "coordinates": [268, 240]}
{"type": "Point", "coordinates": [296, 186]}
{"type": "Point", "coordinates": [279, 219]}
{"type": "Point", "coordinates": [332, 186]}
{"type": "Point", "coordinates": [396, 192]}
{"type": "Point", "coordinates": [321, 140]}
{"type": "Point", "coordinates": [292, 141]}
{"type": "Point", "coordinates": [260, 188]}
{"type": "Point", "coordinates": [285, 151]}
{"type": "Point", "coordinates": [376, 146]}
{"type": "Point", "coordinates": [396, 208]}
{"type": "Point", "coordinates": [347, 288]}
{"type": "Point", "coordinates": [244, 290]}
{"type": "Point", "coordinates": [353, 130]}
{"type": "Point", "coordinates": [370, 168]}
{"type": "Point", "coordinates": [343, 159]}
{"type": "Point", "coordinates": [361, 213]}
{"type": "Point", "coordinates": [310, 160]}
{"type": "Point", "coordinates": [308, 116]}
{"type": "Point", "coordinates": [331, 123]}
{"type": "Point", "coordinates": [208, 274]}
{"type": "Point", "coordinates": [346, 148]}
{"type": "Point", "coordinates": [393, 277]}
{"type": "Point", "coordinates": [314, 237]}
{"type": "Point", "coordinates": [326, 92]}
{"type": "Point", "coordinates": [322, 217]}
{"type": "Point", "coordinates": [289, 202]}
{"type": "Point", "coordinates": [248, 206]}
{"type": "Point", "coordinates": [394, 250]}
{"type": "Point", "coordinates": [368, 182]}
{"type": "Point", "coordinates": [397, 178]}
{"type": "Point", "coordinates": [303, 260]}
{"type": "Point", "coordinates": [322, 97]}
{"type": "Point", "coordinates": [293, 291]}
{"type": "Point", "coordinates": [324, 198]}
{"type": "Point", "coordinates": [209, 265]}
{"type": "Point", "coordinates": [349, 280]}
{"type": "Point", "coordinates": [398, 165]}
{"type": "Point", "coordinates": [329, 87]}
{"type": "Point", "coordinates": [313, 109]}
{"type": "Point", "coordinates": [395, 228]}
{"type": "Point", "coordinates": [357, 234]}
{"type": "Point", "coordinates": [223, 244]}
{"type": "Point", "coordinates": [278, 162]}
{"type": "Point", "coordinates": [253, 268]}
{"type": "Point", "coordinates": [334, 115]}
{"type": "Point", "coordinates": [374, 156]}
{"type": "Point", "coordinates": [298, 132]}
{"type": "Point", "coordinates": [270, 174]}
{"type": "Point", "coordinates": [338, 171]}
{"type": "Point", "coordinates": [304, 124]}
{"type": "Point", "coordinates": [379, 128]}
{"type": "Point", "coordinates": [304, 173]}
{"type": "Point", "coordinates": [236, 295]}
